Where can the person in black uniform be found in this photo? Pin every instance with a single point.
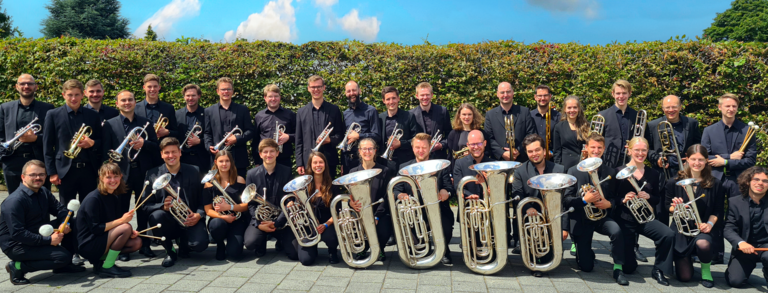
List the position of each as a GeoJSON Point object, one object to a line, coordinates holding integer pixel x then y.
{"type": "Point", "coordinates": [222, 223]}
{"type": "Point", "coordinates": [311, 120]}
{"type": "Point", "coordinates": [193, 151]}
{"type": "Point", "coordinates": [265, 123]}
{"type": "Point", "coordinates": [21, 215]}
{"type": "Point", "coordinates": [222, 118]}
{"type": "Point", "coordinates": [619, 124]}
{"type": "Point", "coordinates": [190, 235]}
{"type": "Point", "coordinates": [75, 176]}
{"type": "Point", "coordinates": [432, 118]}
{"type": "Point", "coordinates": [650, 182]}
{"type": "Point", "coordinates": [94, 91]}
{"type": "Point", "coordinates": [582, 228]}
{"type": "Point", "coordinates": [477, 144]}
{"type": "Point", "coordinates": [570, 134]}
{"type": "Point", "coordinates": [404, 120]}
{"type": "Point", "coordinates": [105, 230]}
{"type": "Point", "coordinates": [360, 113]}
{"type": "Point", "coordinates": [132, 170]}
{"type": "Point", "coordinates": [16, 115]}
{"type": "Point", "coordinates": [420, 144]}
{"type": "Point", "coordinates": [543, 108]}
{"type": "Point", "coordinates": [746, 227]}
{"type": "Point", "coordinates": [467, 118]}
{"type": "Point", "coordinates": [708, 209]}
{"type": "Point", "coordinates": [152, 108]}
{"type": "Point", "coordinates": [273, 177]}
{"type": "Point", "coordinates": [494, 125]}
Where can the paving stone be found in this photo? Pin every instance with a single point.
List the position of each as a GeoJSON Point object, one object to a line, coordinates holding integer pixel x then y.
{"type": "Point", "coordinates": [149, 288]}
{"type": "Point", "coordinates": [303, 275]}
{"type": "Point", "coordinates": [400, 284]}
{"type": "Point", "coordinates": [332, 282]}
{"type": "Point", "coordinates": [121, 283]}
{"type": "Point", "coordinates": [189, 285]}
{"type": "Point", "coordinates": [432, 289]}
{"type": "Point", "coordinates": [229, 282]}
{"type": "Point", "coordinates": [295, 285]}
{"type": "Point", "coordinates": [210, 289]}
{"type": "Point", "coordinates": [256, 288]}
{"type": "Point", "coordinates": [469, 286]}
{"type": "Point", "coordinates": [163, 279]}
{"type": "Point", "coordinates": [364, 287]}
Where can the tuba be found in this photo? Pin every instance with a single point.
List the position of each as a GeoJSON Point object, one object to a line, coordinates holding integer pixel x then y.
{"type": "Point", "coordinates": [344, 146]}
{"type": "Point", "coordinates": [590, 166]}
{"type": "Point", "coordinates": [133, 136]}
{"type": "Point", "coordinates": [7, 148]}
{"type": "Point", "coordinates": [74, 150]}
{"type": "Point", "coordinates": [595, 126]}
{"type": "Point", "coordinates": [179, 210]}
{"type": "Point", "coordinates": [300, 216]}
{"type": "Point", "coordinates": [540, 234]}
{"type": "Point", "coordinates": [162, 122]}
{"type": "Point", "coordinates": [435, 139]}
{"type": "Point", "coordinates": [686, 215]}
{"type": "Point", "coordinates": [483, 229]}
{"type": "Point", "coordinates": [639, 130]}
{"type": "Point", "coordinates": [323, 135]}
{"type": "Point", "coordinates": [221, 145]}
{"type": "Point", "coordinates": [640, 208]}
{"type": "Point", "coordinates": [196, 130]}
{"type": "Point", "coordinates": [279, 130]}
{"type": "Point", "coordinates": [668, 145]}
{"type": "Point", "coordinates": [355, 227]}
{"type": "Point", "coordinates": [266, 210]}
{"type": "Point", "coordinates": [397, 133]}
{"type": "Point", "coordinates": [224, 197]}
{"type": "Point", "coordinates": [410, 227]}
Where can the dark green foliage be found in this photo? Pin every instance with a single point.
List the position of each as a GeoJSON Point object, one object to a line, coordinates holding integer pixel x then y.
{"type": "Point", "coordinates": [6, 25]}
{"type": "Point", "coordinates": [746, 21]}
{"type": "Point", "coordinates": [150, 35]}
{"type": "Point", "coordinates": [93, 19]}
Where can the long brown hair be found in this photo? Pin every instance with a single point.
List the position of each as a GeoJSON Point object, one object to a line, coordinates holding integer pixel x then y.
{"type": "Point", "coordinates": [582, 126]}
{"type": "Point", "coordinates": [326, 188]}
{"type": "Point", "coordinates": [111, 169]}
{"type": "Point", "coordinates": [707, 180]}
{"type": "Point", "coordinates": [477, 118]}
{"type": "Point", "coordinates": [232, 170]}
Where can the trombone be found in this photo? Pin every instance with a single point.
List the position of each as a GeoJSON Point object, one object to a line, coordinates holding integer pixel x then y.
{"type": "Point", "coordinates": [221, 145]}
{"type": "Point", "coordinates": [640, 208]}
{"type": "Point", "coordinates": [668, 146]}
{"type": "Point", "coordinates": [397, 133]}
{"type": "Point", "coordinates": [11, 145]}
{"type": "Point", "coordinates": [323, 135]}
{"type": "Point", "coordinates": [509, 128]}
{"type": "Point", "coordinates": [590, 166]}
{"type": "Point", "coordinates": [196, 130]}
{"type": "Point", "coordinates": [82, 133]}
{"type": "Point", "coordinates": [595, 126]}
{"type": "Point", "coordinates": [344, 146]}
{"type": "Point", "coordinates": [133, 136]}
{"type": "Point", "coordinates": [162, 122]}
{"type": "Point", "coordinates": [639, 130]}
{"type": "Point", "coordinates": [547, 133]}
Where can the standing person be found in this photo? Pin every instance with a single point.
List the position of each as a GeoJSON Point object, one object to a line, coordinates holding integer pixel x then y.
{"type": "Point", "coordinates": [222, 223]}
{"type": "Point", "coordinates": [265, 122]}
{"type": "Point", "coordinates": [21, 215]}
{"type": "Point", "coordinates": [311, 120]}
{"type": "Point", "coordinates": [467, 118]}
{"type": "Point", "coordinates": [405, 121]}
{"type": "Point", "coordinates": [194, 151]}
{"type": "Point", "coordinates": [708, 209]}
{"type": "Point", "coordinates": [131, 170]}
{"type": "Point", "coordinates": [363, 114]}
{"type": "Point", "coordinates": [94, 91]}
{"type": "Point", "coordinates": [570, 134]}
{"type": "Point", "coordinates": [18, 114]}
{"type": "Point", "coordinates": [223, 117]}
{"type": "Point", "coordinates": [432, 118]}
{"type": "Point", "coordinates": [746, 225]}
{"type": "Point", "coordinates": [543, 109]}
{"type": "Point", "coordinates": [619, 124]}
{"type": "Point", "coordinates": [152, 108]}
{"type": "Point", "coordinates": [494, 125]}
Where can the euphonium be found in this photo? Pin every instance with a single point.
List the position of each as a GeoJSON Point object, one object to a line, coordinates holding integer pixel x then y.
{"type": "Point", "coordinates": [410, 228]}
{"type": "Point", "coordinates": [461, 153]}
{"type": "Point", "coordinates": [686, 215]}
{"type": "Point", "coordinates": [196, 130]}
{"type": "Point", "coordinates": [640, 208]}
{"type": "Point", "coordinates": [483, 222]}
{"type": "Point", "coordinates": [595, 126]}
{"type": "Point", "coordinates": [221, 146]}
{"type": "Point", "coordinates": [435, 139]}
{"type": "Point", "coordinates": [639, 130]}
{"type": "Point", "coordinates": [590, 166]}
{"type": "Point", "coordinates": [161, 122]}
{"type": "Point", "coordinates": [352, 227]}
{"type": "Point", "coordinates": [397, 133]}
{"type": "Point", "coordinates": [668, 145]}
{"type": "Point", "coordinates": [7, 148]}
{"type": "Point", "coordinates": [323, 135]}
{"type": "Point", "coordinates": [266, 210]}
{"type": "Point", "coordinates": [344, 145]}
{"type": "Point", "coordinates": [541, 234]}
{"type": "Point", "coordinates": [133, 136]}
{"type": "Point", "coordinates": [224, 197]}
{"type": "Point", "coordinates": [74, 150]}
{"type": "Point", "coordinates": [179, 210]}
{"type": "Point", "coordinates": [300, 216]}
{"type": "Point", "coordinates": [279, 130]}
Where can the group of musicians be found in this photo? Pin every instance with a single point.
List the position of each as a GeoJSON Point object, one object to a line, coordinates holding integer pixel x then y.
{"type": "Point", "coordinates": [160, 155]}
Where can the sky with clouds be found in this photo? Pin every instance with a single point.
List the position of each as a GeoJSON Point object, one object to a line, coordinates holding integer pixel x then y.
{"type": "Point", "coordinates": [405, 21]}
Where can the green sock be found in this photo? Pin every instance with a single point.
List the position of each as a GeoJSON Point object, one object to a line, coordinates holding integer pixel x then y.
{"type": "Point", "coordinates": [103, 257]}
{"type": "Point", "coordinates": [17, 264]}
{"type": "Point", "coordinates": [617, 267]}
{"type": "Point", "coordinates": [573, 247]}
{"type": "Point", "coordinates": [706, 274]}
{"type": "Point", "coordinates": [110, 260]}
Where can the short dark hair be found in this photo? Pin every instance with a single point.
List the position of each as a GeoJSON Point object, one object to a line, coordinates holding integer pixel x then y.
{"type": "Point", "coordinates": [169, 141]}
{"type": "Point", "coordinates": [37, 163]}
{"type": "Point", "coordinates": [267, 143]}
{"type": "Point", "coordinates": [422, 136]}
{"type": "Point", "coordinates": [93, 83]}
{"type": "Point", "coordinates": [543, 87]}
{"type": "Point", "coordinates": [192, 86]}
{"type": "Point", "coordinates": [389, 89]}
{"type": "Point", "coordinates": [72, 84]}
{"type": "Point", "coordinates": [531, 138]}
{"type": "Point", "coordinates": [746, 177]}
{"type": "Point", "coordinates": [596, 137]}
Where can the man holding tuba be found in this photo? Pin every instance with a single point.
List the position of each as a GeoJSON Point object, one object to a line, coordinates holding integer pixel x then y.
{"type": "Point", "coordinates": [191, 121]}
{"type": "Point", "coordinates": [364, 115]}
{"type": "Point", "coordinates": [267, 120]}
{"type": "Point", "coordinates": [311, 121]}
{"type": "Point", "coordinates": [545, 116]}
{"type": "Point", "coordinates": [476, 143]}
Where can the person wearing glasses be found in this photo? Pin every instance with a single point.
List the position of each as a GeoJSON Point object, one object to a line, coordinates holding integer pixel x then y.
{"type": "Point", "coordinates": [746, 227]}
{"type": "Point", "coordinates": [311, 120]}
{"type": "Point", "coordinates": [223, 117]}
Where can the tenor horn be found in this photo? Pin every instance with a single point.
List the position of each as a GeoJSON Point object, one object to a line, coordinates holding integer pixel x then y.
{"type": "Point", "coordinates": [640, 208]}
{"type": "Point", "coordinates": [266, 210]}
{"type": "Point", "coordinates": [300, 216]}
{"type": "Point", "coordinates": [686, 215]}
{"type": "Point", "coordinates": [224, 197]}
{"type": "Point", "coordinates": [590, 166]}
{"type": "Point", "coordinates": [179, 210]}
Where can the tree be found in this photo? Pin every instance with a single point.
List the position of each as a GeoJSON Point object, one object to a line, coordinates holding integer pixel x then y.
{"type": "Point", "coordinates": [95, 19]}
{"type": "Point", "coordinates": [746, 20]}
{"type": "Point", "coordinates": [6, 25]}
{"type": "Point", "coordinates": [150, 35]}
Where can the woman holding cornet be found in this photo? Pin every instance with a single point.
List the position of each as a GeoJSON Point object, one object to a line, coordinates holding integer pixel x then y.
{"type": "Point", "coordinates": [467, 118]}
{"type": "Point", "coordinates": [103, 232]}
{"type": "Point", "coordinates": [708, 209]}
{"type": "Point", "coordinates": [226, 220]}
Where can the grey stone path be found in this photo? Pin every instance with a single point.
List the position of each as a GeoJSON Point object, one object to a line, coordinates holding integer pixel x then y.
{"type": "Point", "coordinates": [275, 273]}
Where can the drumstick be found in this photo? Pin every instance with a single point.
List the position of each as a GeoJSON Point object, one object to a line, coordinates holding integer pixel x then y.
{"type": "Point", "coordinates": [146, 183]}
{"type": "Point", "coordinates": [153, 237]}
{"type": "Point", "coordinates": [150, 228]}
{"type": "Point", "coordinates": [145, 200]}
{"type": "Point", "coordinates": [761, 249]}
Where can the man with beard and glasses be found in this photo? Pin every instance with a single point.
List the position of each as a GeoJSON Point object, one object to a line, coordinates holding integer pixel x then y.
{"type": "Point", "coordinates": [432, 118]}
{"type": "Point", "coordinates": [360, 113]}
{"type": "Point", "coordinates": [193, 152]}
{"type": "Point", "coordinates": [265, 122]}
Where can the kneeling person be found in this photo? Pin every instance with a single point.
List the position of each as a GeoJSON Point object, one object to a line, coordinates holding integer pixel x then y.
{"type": "Point", "coordinates": [745, 226]}
{"type": "Point", "coordinates": [223, 224]}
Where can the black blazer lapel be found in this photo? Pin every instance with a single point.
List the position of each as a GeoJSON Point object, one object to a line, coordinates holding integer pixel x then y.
{"type": "Point", "coordinates": [12, 115]}
{"type": "Point", "coordinates": [216, 124]}
{"type": "Point", "coordinates": [420, 119]}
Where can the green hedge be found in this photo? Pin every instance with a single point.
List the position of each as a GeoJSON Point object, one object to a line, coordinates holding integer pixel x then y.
{"type": "Point", "coordinates": [698, 71]}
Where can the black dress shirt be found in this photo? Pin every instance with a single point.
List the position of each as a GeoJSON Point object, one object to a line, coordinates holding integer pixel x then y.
{"type": "Point", "coordinates": [367, 117]}
{"type": "Point", "coordinates": [730, 134]}
{"type": "Point", "coordinates": [105, 112]}
{"type": "Point", "coordinates": [310, 122]}
{"type": "Point", "coordinates": [265, 121]}
{"type": "Point", "coordinates": [541, 124]}
{"type": "Point", "coordinates": [25, 115]}
{"type": "Point", "coordinates": [153, 111]}
{"type": "Point", "coordinates": [227, 118]}
{"type": "Point", "coordinates": [759, 234]}
{"type": "Point", "coordinates": [75, 122]}
{"type": "Point", "coordinates": [624, 123]}
{"type": "Point", "coordinates": [22, 214]}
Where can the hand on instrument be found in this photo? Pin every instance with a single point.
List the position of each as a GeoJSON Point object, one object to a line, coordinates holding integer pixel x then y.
{"type": "Point", "coordinates": [630, 195]}
{"type": "Point", "coordinates": [747, 248]}
{"type": "Point", "coordinates": [565, 234]}
{"type": "Point", "coordinates": [167, 203]}
{"type": "Point", "coordinates": [718, 161]}
{"type": "Point", "coordinates": [228, 218]}
{"type": "Point", "coordinates": [402, 196]}
{"type": "Point", "coordinates": [705, 228]}
{"type": "Point", "coordinates": [134, 234]}
{"type": "Point", "coordinates": [56, 238]}
{"type": "Point", "coordinates": [531, 212]}
{"type": "Point", "coordinates": [64, 228]}
{"type": "Point", "coordinates": [86, 143]}
{"type": "Point", "coordinates": [506, 155]}
{"type": "Point", "coordinates": [193, 140]}
{"type": "Point", "coordinates": [213, 151]}
{"type": "Point", "coordinates": [231, 140]}
{"type": "Point", "coordinates": [737, 155]}
{"type": "Point", "coordinates": [267, 226]}
{"type": "Point", "coordinates": [438, 146]}
{"type": "Point", "coordinates": [137, 144]}
{"type": "Point", "coordinates": [592, 196]}
{"type": "Point", "coordinates": [675, 201]}
{"type": "Point", "coordinates": [222, 207]}
{"type": "Point", "coordinates": [480, 176]}
{"type": "Point", "coordinates": [663, 163]}
{"type": "Point", "coordinates": [327, 140]}
{"type": "Point", "coordinates": [603, 204]}
{"type": "Point", "coordinates": [473, 196]}
{"type": "Point", "coordinates": [395, 144]}
{"type": "Point", "coordinates": [289, 204]}
{"type": "Point", "coordinates": [443, 195]}
{"type": "Point", "coordinates": [162, 132]}
{"type": "Point", "coordinates": [28, 136]}
{"type": "Point", "coordinates": [355, 205]}
{"type": "Point", "coordinates": [321, 228]}
{"type": "Point", "coordinates": [127, 217]}
{"type": "Point", "coordinates": [352, 137]}
{"type": "Point", "coordinates": [644, 195]}
{"type": "Point", "coordinates": [300, 170]}
{"type": "Point", "coordinates": [192, 219]}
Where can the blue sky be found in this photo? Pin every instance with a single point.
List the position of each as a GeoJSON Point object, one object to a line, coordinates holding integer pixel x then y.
{"type": "Point", "coordinates": [405, 22]}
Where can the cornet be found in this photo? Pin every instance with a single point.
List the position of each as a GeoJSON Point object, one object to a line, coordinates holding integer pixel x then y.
{"type": "Point", "coordinates": [161, 122]}
{"type": "Point", "coordinates": [640, 208]}
{"type": "Point", "coordinates": [221, 145]}
{"type": "Point", "coordinates": [279, 130]}
{"type": "Point", "coordinates": [686, 215]}
{"type": "Point", "coordinates": [639, 130]}
{"type": "Point", "coordinates": [300, 216]}
{"type": "Point", "coordinates": [133, 136]}
{"type": "Point", "coordinates": [435, 139]}
{"type": "Point", "coordinates": [196, 131]}
{"type": "Point", "coordinates": [224, 197]}
{"type": "Point", "coordinates": [7, 148]}
{"type": "Point", "coordinates": [344, 146]}
{"type": "Point", "coordinates": [397, 133]}
{"type": "Point", "coordinates": [266, 210]}
{"type": "Point", "coordinates": [74, 150]}
{"type": "Point", "coordinates": [595, 126]}
{"type": "Point", "coordinates": [668, 145]}
{"type": "Point", "coordinates": [590, 166]}
{"type": "Point", "coordinates": [179, 210]}
{"type": "Point", "coordinates": [323, 135]}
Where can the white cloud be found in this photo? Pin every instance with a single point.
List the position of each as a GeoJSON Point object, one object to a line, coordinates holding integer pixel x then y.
{"type": "Point", "coordinates": [325, 3]}
{"type": "Point", "coordinates": [162, 21]}
{"type": "Point", "coordinates": [588, 8]}
{"type": "Point", "coordinates": [365, 29]}
{"type": "Point", "coordinates": [277, 22]}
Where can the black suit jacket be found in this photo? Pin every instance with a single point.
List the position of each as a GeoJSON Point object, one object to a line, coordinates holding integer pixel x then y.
{"type": "Point", "coordinates": [200, 149]}
{"type": "Point", "coordinates": [167, 110]}
{"type": "Point", "coordinates": [274, 192]}
{"type": "Point", "coordinates": [57, 135]}
{"type": "Point", "coordinates": [306, 135]}
{"type": "Point", "coordinates": [737, 223]}
{"type": "Point", "coordinates": [443, 124]}
{"type": "Point", "coordinates": [407, 122]}
{"type": "Point", "coordinates": [213, 131]}
{"type": "Point", "coordinates": [114, 134]}
{"type": "Point", "coordinates": [191, 191]}
{"type": "Point", "coordinates": [690, 132]}
{"type": "Point", "coordinates": [8, 112]}
{"type": "Point", "coordinates": [572, 197]}
{"type": "Point", "coordinates": [566, 146]}
{"type": "Point", "coordinates": [714, 141]}
{"type": "Point", "coordinates": [461, 169]}
{"type": "Point", "coordinates": [614, 143]}
{"type": "Point", "coordinates": [494, 126]}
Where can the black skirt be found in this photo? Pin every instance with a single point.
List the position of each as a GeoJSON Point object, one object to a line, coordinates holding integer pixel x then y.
{"type": "Point", "coordinates": [685, 246]}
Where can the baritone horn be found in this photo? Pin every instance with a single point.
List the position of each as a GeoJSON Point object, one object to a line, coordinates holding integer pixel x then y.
{"type": "Point", "coordinates": [345, 146]}
{"type": "Point", "coordinates": [162, 122]}
{"type": "Point", "coordinates": [301, 217]}
{"type": "Point", "coordinates": [483, 222]}
{"type": "Point", "coordinates": [196, 131]}
{"type": "Point", "coordinates": [82, 133]}
{"type": "Point", "coordinates": [590, 166]}
{"type": "Point", "coordinates": [133, 136]}
{"type": "Point", "coordinates": [541, 234]}
{"type": "Point", "coordinates": [668, 146]}
{"type": "Point", "coordinates": [397, 133]}
{"type": "Point", "coordinates": [221, 146]}
{"type": "Point", "coordinates": [224, 197]}
{"type": "Point", "coordinates": [640, 208]}
{"type": "Point", "coordinates": [686, 215]}
{"type": "Point", "coordinates": [323, 135]}
{"type": "Point", "coordinates": [266, 210]}
{"type": "Point", "coordinates": [410, 228]}
{"type": "Point", "coordinates": [354, 227]}
{"type": "Point", "coordinates": [179, 210]}
{"type": "Point", "coordinates": [595, 126]}
{"type": "Point", "coordinates": [279, 130]}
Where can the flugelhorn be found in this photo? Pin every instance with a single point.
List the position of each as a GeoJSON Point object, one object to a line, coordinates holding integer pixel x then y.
{"type": "Point", "coordinates": [221, 146]}
{"type": "Point", "coordinates": [133, 136]}
{"type": "Point", "coordinates": [301, 217]}
{"type": "Point", "coordinates": [162, 122]}
{"type": "Point", "coordinates": [323, 135]}
{"type": "Point", "coordinates": [410, 227]}
{"type": "Point", "coordinates": [279, 130]}
{"type": "Point", "coordinates": [483, 222]}
{"type": "Point", "coordinates": [224, 197]}
{"type": "Point", "coordinates": [686, 215]}
{"type": "Point", "coordinates": [640, 208]}
{"type": "Point", "coordinates": [590, 166]}
{"type": "Point", "coordinates": [751, 129]}
{"type": "Point", "coordinates": [397, 133]}
{"type": "Point", "coordinates": [344, 145]}
{"type": "Point", "coordinates": [179, 210]}
{"type": "Point", "coordinates": [638, 130]}
{"type": "Point", "coordinates": [196, 131]}
{"type": "Point", "coordinates": [541, 234]}
{"type": "Point", "coordinates": [353, 228]}
{"type": "Point", "coordinates": [7, 148]}
{"type": "Point", "coordinates": [435, 139]}
{"type": "Point", "coordinates": [668, 146]}
{"type": "Point", "coordinates": [74, 150]}
{"type": "Point", "coordinates": [266, 210]}
{"type": "Point", "coordinates": [595, 126]}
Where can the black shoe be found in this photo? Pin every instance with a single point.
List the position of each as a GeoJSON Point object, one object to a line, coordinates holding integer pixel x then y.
{"type": "Point", "coordinates": [659, 277]}
{"type": "Point", "coordinates": [124, 257]}
{"type": "Point", "coordinates": [97, 267]}
{"type": "Point", "coordinates": [708, 283]}
{"type": "Point", "coordinates": [391, 241]}
{"type": "Point", "coordinates": [639, 255]}
{"type": "Point", "coordinates": [536, 274]}
{"type": "Point", "coordinates": [573, 250]}
{"type": "Point", "coordinates": [146, 251]}
{"type": "Point", "coordinates": [447, 259]}
{"type": "Point", "coordinates": [184, 252]}
{"type": "Point", "coordinates": [221, 252]}
{"type": "Point", "coordinates": [170, 259]}
{"type": "Point", "coordinates": [114, 272]}
{"type": "Point", "coordinates": [382, 257]}
{"type": "Point", "coordinates": [17, 277]}
{"type": "Point", "coordinates": [68, 269]}
{"type": "Point", "coordinates": [333, 258]}
{"type": "Point", "coordinates": [618, 275]}
{"type": "Point", "coordinates": [516, 250]}
{"type": "Point", "coordinates": [260, 253]}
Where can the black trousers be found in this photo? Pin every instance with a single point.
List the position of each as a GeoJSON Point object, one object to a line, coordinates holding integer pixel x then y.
{"type": "Point", "coordinates": [585, 256]}
{"type": "Point", "coordinates": [135, 184]}
{"type": "Point", "coordinates": [384, 230]}
{"type": "Point", "coordinates": [308, 255]}
{"type": "Point", "coordinates": [256, 240]}
{"type": "Point", "coordinates": [195, 238]}
{"type": "Point", "coordinates": [447, 220]}
{"type": "Point", "coordinates": [233, 233]}
{"type": "Point", "coordinates": [80, 180]}
{"type": "Point", "coordinates": [662, 236]}
{"type": "Point", "coordinates": [741, 266]}
{"type": "Point", "coordinates": [39, 258]}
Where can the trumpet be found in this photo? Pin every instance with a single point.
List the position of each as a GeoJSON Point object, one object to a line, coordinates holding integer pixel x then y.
{"type": "Point", "coordinates": [752, 128]}
{"type": "Point", "coordinates": [224, 197]}
{"type": "Point", "coordinates": [133, 136]}
{"type": "Point", "coordinates": [435, 139]}
{"type": "Point", "coordinates": [344, 146]}
{"type": "Point", "coordinates": [196, 130]}
{"type": "Point", "coordinates": [397, 133]}
{"type": "Point", "coordinates": [279, 130]}
{"type": "Point", "coordinates": [687, 212]}
{"type": "Point", "coordinates": [639, 130]}
{"type": "Point", "coordinates": [541, 233]}
{"type": "Point", "coordinates": [266, 210]}
{"type": "Point", "coordinates": [595, 126]}
{"type": "Point", "coordinates": [221, 145]}
{"type": "Point", "coordinates": [301, 218]}
{"type": "Point", "coordinates": [323, 135]}
{"type": "Point", "coordinates": [7, 148]}
{"type": "Point", "coordinates": [509, 128]}
{"type": "Point", "coordinates": [461, 153]}
{"type": "Point", "coordinates": [668, 145]}
{"type": "Point", "coordinates": [353, 228]}
{"type": "Point", "coordinates": [640, 208]}
{"type": "Point", "coordinates": [161, 122]}
{"type": "Point", "coordinates": [74, 150]}
{"type": "Point", "coordinates": [179, 210]}
{"type": "Point", "coordinates": [590, 166]}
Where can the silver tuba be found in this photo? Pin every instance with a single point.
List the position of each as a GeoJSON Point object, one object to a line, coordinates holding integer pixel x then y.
{"type": "Point", "coordinates": [279, 130]}
{"type": "Point", "coordinates": [686, 215]}
{"type": "Point", "coordinates": [133, 136]}
{"type": "Point", "coordinates": [221, 146]}
{"type": "Point", "coordinates": [483, 228]}
{"type": "Point", "coordinates": [224, 197]}
{"type": "Point", "coordinates": [344, 146]}
{"type": "Point", "coordinates": [179, 210]}
{"type": "Point", "coordinates": [541, 234]}
{"type": "Point", "coordinates": [11, 145]}
{"type": "Point", "coordinates": [353, 228]}
{"type": "Point", "coordinates": [410, 228]}
{"type": "Point", "coordinates": [640, 208]}
{"type": "Point", "coordinates": [196, 130]}
{"type": "Point", "coordinates": [266, 210]}
{"type": "Point", "coordinates": [300, 216]}
{"type": "Point", "coordinates": [397, 133]}
{"type": "Point", "coordinates": [590, 166]}
{"type": "Point", "coordinates": [323, 135]}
